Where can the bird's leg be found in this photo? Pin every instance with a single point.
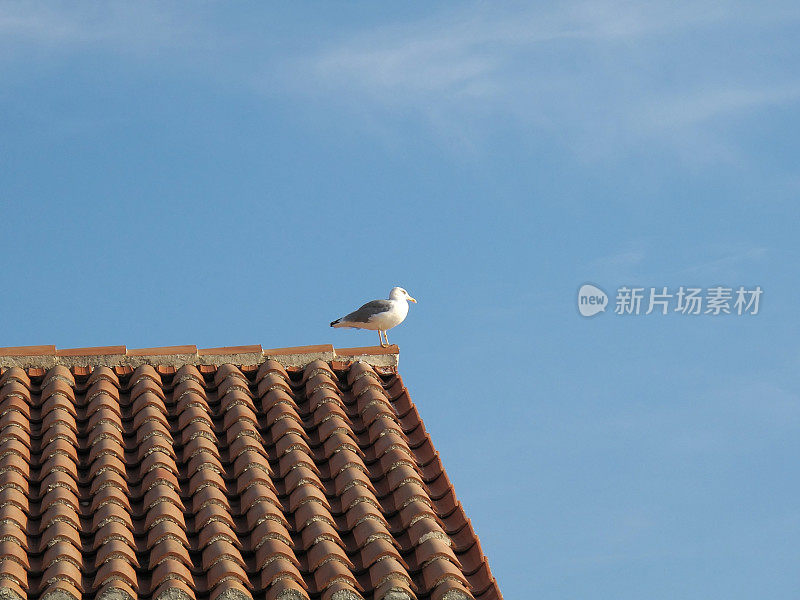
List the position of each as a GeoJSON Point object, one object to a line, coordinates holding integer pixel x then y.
{"type": "Point", "coordinates": [380, 337]}
{"type": "Point", "coordinates": [386, 335]}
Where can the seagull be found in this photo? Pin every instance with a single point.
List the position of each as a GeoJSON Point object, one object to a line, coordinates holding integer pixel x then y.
{"type": "Point", "coordinates": [379, 314]}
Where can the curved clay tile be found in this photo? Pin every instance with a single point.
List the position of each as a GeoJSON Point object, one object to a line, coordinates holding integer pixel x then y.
{"type": "Point", "coordinates": [314, 482]}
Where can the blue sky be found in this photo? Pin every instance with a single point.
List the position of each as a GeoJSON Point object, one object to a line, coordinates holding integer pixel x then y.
{"type": "Point", "coordinates": [224, 174]}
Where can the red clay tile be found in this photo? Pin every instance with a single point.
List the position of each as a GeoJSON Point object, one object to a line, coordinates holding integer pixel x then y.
{"type": "Point", "coordinates": [280, 569]}
{"type": "Point", "coordinates": [15, 397]}
{"type": "Point", "coordinates": [164, 529]}
{"type": "Point", "coordinates": [81, 371]}
{"type": "Point", "coordinates": [492, 593]}
{"type": "Point", "coordinates": [62, 551]}
{"type": "Point", "coordinates": [358, 370]}
{"type": "Point", "coordinates": [58, 373]}
{"type": "Point", "coordinates": [368, 350]}
{"type": "Point", "coordinates": [162, 351]}
{"type": "Point", "coordinates": [103, 393]}
{"type": "Point", "coordinates": [11, 551]}
{"type": "Point", "coordinates": [299, 350]}
{"type": "Point", "coordinates": [383, 428]}
{"type": "Point", "coordinates": [319, 530]}
{"type": "Point", "coordinates": [186, 373]}
{"type": "Point", "coordinates": [439, 571]}
{"type": "Point", "coordinates": [64, 531]}
{"type": "Point", "coordinates": [228, 588]}
{"type": "Point", "coordinates": [286, 588]}
{"type": "Point", "coordinates": [93, 351]}
{"type": "Point", "coordinates": [273, 381]}
{"type": "Point", "coordinates": [318, 380]}
{"type": "Point", "coordinates": [304, 481]}
{"type": "Point", "coordinates": [28, 351]}
{"type": "Point", "coordinates": [378, 410]}
{"type": "Point", "coordinates": [271, 366]}
{"type": "Point", "coordinates": [235, 395]}
{"type": "Point", "coordinates": [11, 570]}
{"type": "Point", "coordinates": [376, 549]}
{"type": "Point", "coordinates": [266, 530]}
{"type": "Point", "coordinates": [222, 549]}
{"type": "Point", "coordinates": [171, 570]}
{"type": "Point", "coordinates": [113, 587]}
{"type": "Point", "coordinates": [451, 587]}
{"type": "Point", "coordinates": [340, 440]}
{"type": "Point", "coordinates": [205, 477]}
{"type": "Point", "coordinates": [109, 512]}
{"type": "Point", "coordinates": [216, 531]}
{"type": "Point", "coordinates": [386, 569]}
{"type": "Point", "coordinates": [393, 446]}
{"type": "Point", "coordinates": [291, 441]}
{"type": "Point", "coordinates": [64, 570]}
{"type": "Point", "coordinates": [435, 548]}
{"type": "Point", "coordinates": [114, 548]}
{"type": "Point", "coordinates": [273, 548]}
{"type": "Point", "coordinates": [173, 587]}
{"type": "Point", "coordinates": [12, 532]}
{"type": "Point", "coordinates": [368, 383]}
{"type": "Point", "coordinates": [353, 477]}
{"type": "Point", "coordinates": [256, 349]}
{"type": "Point", "coordinates": [307, 493]}
{"type": "Point", "coordinates": [324, 551]}
{"type": "Point", "coordinates": [481, 580]}
{"type": "Point", "coordinates": [103, 373]}
{"type": "Point", "coordinates": [333, 571]}
{"type": "Point", "coordinates": [14, 459]}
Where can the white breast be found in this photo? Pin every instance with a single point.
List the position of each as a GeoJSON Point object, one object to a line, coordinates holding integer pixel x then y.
{"type": "Point", "coordinates": [391, 318]}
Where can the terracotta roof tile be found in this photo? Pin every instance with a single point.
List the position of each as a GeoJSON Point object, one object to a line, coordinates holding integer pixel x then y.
{"type": "Point", "coordinates": [95, 351]}
{"type": "Point", "coordinates": [391, 349]}
{"type": "Point", "coordinates": [164, 350]}
{"type": "Point", "coordinates": [225, 350]}
{"type": "Point", "coordinates": [221, 481]}
{"type": "Point", "coordinates": [299, 350]}
{"type": "Point", "coordinates": [28, 351]}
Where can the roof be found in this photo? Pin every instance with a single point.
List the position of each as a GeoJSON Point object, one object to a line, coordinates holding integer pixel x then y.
{"type": "Point", "coordinates": [227, 473]}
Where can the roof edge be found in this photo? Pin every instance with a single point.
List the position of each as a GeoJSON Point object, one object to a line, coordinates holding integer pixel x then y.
{"type": "Point", "coordinates": [178, 356]}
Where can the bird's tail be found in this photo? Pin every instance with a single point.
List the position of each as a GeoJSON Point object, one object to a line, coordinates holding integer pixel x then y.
{"type": "Point", "coordinates": [334, 323]}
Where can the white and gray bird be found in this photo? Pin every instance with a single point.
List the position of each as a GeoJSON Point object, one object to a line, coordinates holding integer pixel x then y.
{"type": "Point", "coordinates": [379, 315]}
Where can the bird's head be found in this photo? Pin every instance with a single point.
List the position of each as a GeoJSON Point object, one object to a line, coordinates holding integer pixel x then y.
{"type": "Point", "coordinates": [399, 293]}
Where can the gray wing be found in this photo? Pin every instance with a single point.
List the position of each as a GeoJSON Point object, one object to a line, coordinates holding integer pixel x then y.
{"type": "Point", "coordinates": [370, 309]}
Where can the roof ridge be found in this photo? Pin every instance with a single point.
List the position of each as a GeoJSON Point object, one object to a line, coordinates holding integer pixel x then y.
{"type": "Point", "coordinates": [48, 356]}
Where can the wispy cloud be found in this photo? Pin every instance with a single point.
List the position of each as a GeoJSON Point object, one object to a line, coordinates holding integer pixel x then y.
{"type": "Point", "coordinates": [447, 52]}
{"type": "Point", "coordinates": [618, 266]}
{"type": "Point", "coordinates": [684, 111]}
{"type": "Point", "coordinates": [37, 23]}
{"type": "Point", "coordinates": [118, 26]}
{"type": "Point", "coordinates": [637, 261]}
{"type": "Point", "coordinates": [628, 258]}
{"type": "Point", "coordinates": [727, 264]}
{"type": "Point", "coordinates": [600, 77]}
{"type": "Point", "coordinates": [603, 79]}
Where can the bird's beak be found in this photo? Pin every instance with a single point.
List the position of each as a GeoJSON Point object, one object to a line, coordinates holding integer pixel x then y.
{"type": "Point", "coordinates": [410, 299]}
